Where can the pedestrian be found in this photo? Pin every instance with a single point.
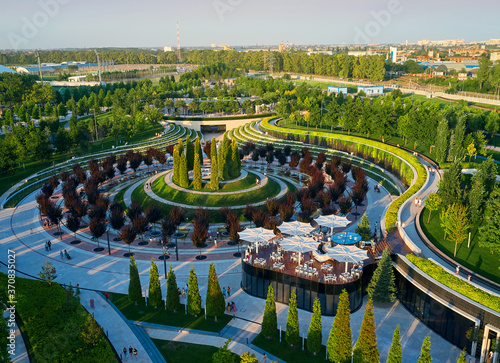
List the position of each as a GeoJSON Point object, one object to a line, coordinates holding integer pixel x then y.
{"type": "Point", "coordinates": [125, 352]}
{"type": "Point", "coordinates": [179, 291]}
{"type": "Point", "coordinates": [130, 350]}
{"type": "Point", "coordinates": [187, 289]}
{"type": "Point", "coordinates": [46, 246]}
{"type": "Point", "coordinates": [62, 256]}
{"type": "Point", "coordinates": [416, 202]}
{"type": "Point", "coordinates": [228, 291]}
{"type": "Point", "coordinates": [264, 358]}
{"type": "Point", "coordinates": [77, 292]}
{"type": "Point", "coordinates": [183, 293]}
{"type": "Point", "coordinates": [215, 241]}
{"type": "Point", "coordinates": [469, 277]}
{"type": "Point", "coordinates": [135, 353]}
{"type": "Point", "coordinates": [419, 202]}
{"type": "Point", "coordinates": [50, 245]}
{"type": "Point", "coordinates": [224, 291]}
{"type": "Point", "coordinates": [106, 295]}
{"type": "Point", "coordinates": [458, 270]}
{"type": "Point", "coordinates": [31, 232]}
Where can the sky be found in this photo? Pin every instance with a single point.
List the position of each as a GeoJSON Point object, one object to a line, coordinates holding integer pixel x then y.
{"type": "Point", "coordinates": [48, 24]}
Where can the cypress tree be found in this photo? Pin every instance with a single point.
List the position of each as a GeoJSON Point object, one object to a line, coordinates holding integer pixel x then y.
{"type": "Point", "coordinates": [382, 286]}
{"type": "Point", "coordinates": [134, 286]}
{"type": "Point", "coordinates": [364, 229]}
{"type": "Point", "coordinates": [270, 320]}
{"type": "Point", "coordinates": [292, 335]}
{"type": "Point", "coordinates": [340, 341]}
{"type": "Point", "coordinates": [189, 153]}
{"type": "Point", "coordinates": [173, 302]}
{"type": "Point", "coordinates": [197, 181]}
{"type": "Point", "coordinates": [154, 285]}
{"type": "Point", "coordinates": [194, 299]}
{"type": "Point", "coordinates": [315, 335]}
{"type": "Point", "coordinates": [234, 170]}
{"type": "Point", "coordinates": [367, 340]}
{"type": "Point", "coordinates": [183, 172]}
{"type": "Point", "coordinates": [176, 157]}
{"type": "Point", "coordinates": [442, 135]}
{"type": "Point", "coordinates": [395, 352]}
{"type": "Point", "coordinates": [215, 300]}
{"type": "Point", "coordinates": [227, 156]}
{"type": "Point", "coordinates": [222, 161]}
{"type": "Point", "coordinates": [180, 143]}
{"type": "Point", "coordinates": [197, 149]}
{"type": "Point", "coordinates": [214, 170]}
{"type": "Point", "coordinates": [425, 351]}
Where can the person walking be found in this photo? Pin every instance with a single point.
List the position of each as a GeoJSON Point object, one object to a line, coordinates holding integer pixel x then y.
{"type": "Point", "coordinates": [125, 352]}
{"type": "Point", "coordinates": [224, 292]}
{"type": "Point", "coordinates": [264, 358]}
{"type": "Point", "coordinates": [183, 293]}
{"type": "Point", "coordinates": [228, 291]}
{"type": "Point", "coordinates": [50, 245]}
{"type": "Point", "coordinates": [457, 270]}
{"type": "Point", "coordinates": [130, 350]}
{"type": "Point", "coordinates": [46, 246]}
{"type": "Point", "coordinates": [62, 255]}
{"type": "Point", "coordinates": [135, 353]}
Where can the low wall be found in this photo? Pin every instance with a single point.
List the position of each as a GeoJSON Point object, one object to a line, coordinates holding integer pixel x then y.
{"type": "Point", "coordinates": [230, 124]}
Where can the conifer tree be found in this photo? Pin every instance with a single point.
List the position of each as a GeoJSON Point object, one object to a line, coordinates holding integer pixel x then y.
{"type": "Point", "coordinates": [222, 160]}
{"type": "Point", "coordinates": [173, 302]}
{"type": "Point", "coordinates": [134, 286]}
{"type": "Point", "coordinates": [425, 351]}
{"type": "Point", "coordinates": [364, 229]}
{"type": "Point", "coordinates": [197, 149]}
{"type": "Point", "coordinates": [215, 303]}
{"type": "Point", "coordinates": [197, 181]}
{"type": "Point", "coordinates": [180, 144]}
{"type": "Point", "coordinates": [382, 286]}
{"type": "Point", "coordinates": [183, 172]}
{"type": "Point", "coordinates": [340, 340]}
{"type": "Point", "coordinates": [214, 169]}
{"type": "Point", "coordinates": [292, 335]}
{"type": "Point", "coordinates": [176, 157]}
{"type": "Point", "coordinates": [189, 153]}
{"type": "Point", "coordinates": [315, 335]}
{"type": "Point", "coordinates": [462, 358]}
{"type": "Point", "coordinates": [154, 285]}
{"type": "Point", "coordinates": [194, 299]}
{"type": "Point", "coordinates": [367, 340]}
{"type": "Point", "coordinates": [395, 352]}
{"type": "Point", "coordinates": [270, 320]}
{"type": "Point", "coordinates": [235, 165]}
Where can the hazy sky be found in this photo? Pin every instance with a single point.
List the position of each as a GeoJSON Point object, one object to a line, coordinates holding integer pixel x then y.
{"type": "Point", "coordinates": [151, 23]}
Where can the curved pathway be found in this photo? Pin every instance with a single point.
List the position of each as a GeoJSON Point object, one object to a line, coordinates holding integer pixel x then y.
{"type": "Point", "coordinates": [171, 184]}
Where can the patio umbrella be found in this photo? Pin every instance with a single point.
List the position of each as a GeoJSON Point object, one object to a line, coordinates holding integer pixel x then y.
{"type": "Point", "coordinates": [332, 221]}
{"type": "Point", "coordinates": [256, 235]}
{"type": "Point", "coordinates": [346, 238]}
{"type": "Point", "coordinates": [347, 254]}
{"type": "Point", "coordinates": [295, 228]}
{"type": "Point", "coordinates": [299, 244]}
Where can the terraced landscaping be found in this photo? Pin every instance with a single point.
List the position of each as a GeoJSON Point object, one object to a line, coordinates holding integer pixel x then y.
{"type": "Point", "coordinates": [242, 184]}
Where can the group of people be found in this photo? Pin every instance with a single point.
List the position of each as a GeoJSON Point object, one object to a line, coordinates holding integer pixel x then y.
{"type": "Point", "coordinates": [231, 307]}
{"type": "Point", "coordinates": [65, 254]}
{"type": "Point", "coordinates": [257, 181]}
{"type": "Point", "coordinates": [376, 188]}
{"type": "Point", "coordinates": [48, 246]}
{"type": "Point", "coordinates": [418, 202]}
{"type": "Point", "coordinates": [47, 222]}
{"type": "Point", "coordinates": [131, 351]}
{"type": "Point", "coordinates": [148, 185]}
{"type": "Point", "coordinates": [228, 291]}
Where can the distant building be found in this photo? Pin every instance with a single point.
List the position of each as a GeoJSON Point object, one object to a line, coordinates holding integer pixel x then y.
{"type": "Point", "coordinates": [337, 89]}
{"type": "Point", "coordinates": [4, 69]}
{"type": "Point", "coordinates": [495, 57]}
{"type": "Point", "coordinates": [371, 90]}
{"type": "Point", "coordinates": [168, 49]}
{"type": "Point", "coordinates": [394, 54]}
{"type": "Point", "coordinates": [77, 78]}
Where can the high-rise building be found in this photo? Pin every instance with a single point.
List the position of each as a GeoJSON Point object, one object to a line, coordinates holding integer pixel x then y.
{"type": "Point", "coordinates": [394, 54]}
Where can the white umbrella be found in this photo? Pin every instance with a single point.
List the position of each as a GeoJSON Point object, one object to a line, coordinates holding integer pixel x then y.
{"type": "Point", "coordinates": [332, 221]}
{"type": "Point", "coordinates": [256, 235]}
{"type": "Point", "coordinates": [295, 228]}
{"type": "Point", "coordinates": [347, 254]}
{"type": "Point", "coordinates": [299, 244]}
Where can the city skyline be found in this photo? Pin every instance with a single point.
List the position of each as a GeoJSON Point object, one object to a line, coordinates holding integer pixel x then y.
{"type": "Point", "coordinates": [56, 24]}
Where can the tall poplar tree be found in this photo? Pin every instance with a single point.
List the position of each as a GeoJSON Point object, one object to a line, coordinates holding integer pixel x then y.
{"type": "Point", "coordinates": [176, 157]}
{"type": "Point", "coordinates": [183, 172]}
{"type": "Point", "coordinates": [154, 285]}
{"type": "Point", "coordinates": [340, 340]}
{"type": "Point", "coordinates": [189, 153]}
{"type": "Point", "coordinates": [315, 335]}
{"type": "Point", "coordinates": [292, 335]}
{"type": "Point", "coordinates": [442, 136]}
{"type": "Point", "coordinates": [197, 181]}
{"type": "Point", "coordinates": [395, 352]}
{"type": "Point", "coordinates": [382, 286]}
{"type": "Point", "coordinates": [194, 299]}
{"type": "Point", "coordinates": [214, 169]}
{"type": "Point", "coordinates": [270, 320]}
{"type": "Point", "coordinates": [367, 340]}
{"type": "Point", "coordinates": [134, 286]}
{"type": "Point", "coordinates": [215, 303]}
{"type": "Point", "coordinates": [173, 301]}
{"type": "Point", "coordinates": [197, 149]}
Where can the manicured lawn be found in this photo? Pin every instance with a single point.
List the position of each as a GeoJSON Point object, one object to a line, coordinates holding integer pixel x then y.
{"type": "Point", "coordinates": [476, 258]}
{"type": "Point", "coordinates": [269, 190]}
{"type": "Point", "coordinates": [149, 314]}
{"type": "Point", "coordinates": [185, 352]}
{"type": "Point", "coordinates": [243, 184]}
{"type": "Point", "coordinates": [285, 352]}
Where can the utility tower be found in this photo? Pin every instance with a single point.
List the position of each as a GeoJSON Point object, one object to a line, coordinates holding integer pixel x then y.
{"type": "Point", "coordinates": [39, 65]}
{"type": "Point", "coordinates": [98, 66]}
{"type": "Point", "coordinates": [178, 44]}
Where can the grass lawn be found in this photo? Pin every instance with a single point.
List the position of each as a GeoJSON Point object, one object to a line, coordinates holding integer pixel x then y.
{"type": "Point", "coordinates": [186, 352]}
{"type": "Point", "coordinates": [476, 258]}
{"type": "Point", "coordinates": [269, 190]}
{"type": "Point", "coordinates": [243, 184]}
{"type": "Point", "coordinates": [149, 314]}
{"type": "Point", "coordinates": [285, 352]}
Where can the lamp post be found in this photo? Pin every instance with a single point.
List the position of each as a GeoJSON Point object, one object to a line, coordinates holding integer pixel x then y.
{"type": "Point", "coordinates": [109, 247]}
{"type": "Point", "coordinates": [164, 260]}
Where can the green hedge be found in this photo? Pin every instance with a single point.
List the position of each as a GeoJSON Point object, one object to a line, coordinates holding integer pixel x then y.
{"type": "Point", "coordinates": [386, 156]}
{"type": "Point", "coordinates": [455, 283]}
{"type": "Point", "coordinates": [228, 118]}
{"type": "Point", "coordinates": [55, 324]}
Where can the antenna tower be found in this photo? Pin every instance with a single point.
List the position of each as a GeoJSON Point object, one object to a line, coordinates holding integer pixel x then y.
{"type": "Point", "coordinates": [98, 65]}
{"type": "Point", "coordinates": [178, 44]}
{"type": "Point", "coordinates": [39, 65]}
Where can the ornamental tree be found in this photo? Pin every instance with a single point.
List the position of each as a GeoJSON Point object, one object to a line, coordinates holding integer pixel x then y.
{"type": "Point", "coordinates": [395, 352]}
{"type": "Point", "coordinates": [183, 172]}
{"type": "Point", "coordinates": [382, 286]}
{"type": "Point", "coordinates": [315, 335]}
{"type": "Point", "coordinates": [173, 301]}
{"type": "Point", "coordinates": [270, 320]}
{"type": "Point", "coordinates": [214, 169]}
{"type": "Point", "coordinates": [154, 285]}
{"type": "Point", "coordinates": [432, 203]}
{"type": "Point", "coordinates": [197, 181]}
{"type": "Point", "coordinates": [340, 340]}
{"type": "Point", "coordinates": [367, 340]}
{"type": "Point", "coordinates": [215, 303]}
{"type": "Point", "coordinates": [194, 298]}
{"type": "Point", "coordinates": [364, 229]}
{"type": "Point", "coordinates": [134, 286]}
{"type": "Point", "coordinates": [292, 336]}
{"type": "Point", "coordinates": [425, 351]}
